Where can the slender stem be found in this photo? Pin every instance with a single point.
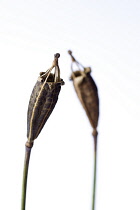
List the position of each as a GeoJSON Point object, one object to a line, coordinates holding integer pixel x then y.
{"type": "Point", "coordinates": [95, 171]}
{"type": "Point", "coordinates": [25, 175]}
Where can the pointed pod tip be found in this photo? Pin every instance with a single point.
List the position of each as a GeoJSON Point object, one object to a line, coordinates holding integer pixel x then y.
{"type": "Point", "coordinates": [69, 52]}
{"type": "Point", "coordinates": [57, 55]}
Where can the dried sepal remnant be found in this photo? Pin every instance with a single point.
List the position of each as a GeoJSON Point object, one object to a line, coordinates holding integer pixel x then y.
{"type": "Point", "coordinates": [87, 92]}
{"type": "Point", "coordinates": [43, 100]}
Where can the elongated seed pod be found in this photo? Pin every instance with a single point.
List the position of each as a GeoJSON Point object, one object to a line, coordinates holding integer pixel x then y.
{"type": "Point", "coordinates": [87, 92]}
{"type": "Point", "coordinates": [43, 100]}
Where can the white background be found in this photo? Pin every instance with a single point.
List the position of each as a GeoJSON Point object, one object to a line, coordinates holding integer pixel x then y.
{"type": "Point", "coordinates": [106, 36]}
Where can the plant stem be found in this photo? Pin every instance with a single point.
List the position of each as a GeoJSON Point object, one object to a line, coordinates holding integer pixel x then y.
{"type": "Point", "coordinates": [25, 175]}
{"type": "Point", "coordinates": [95, 171]}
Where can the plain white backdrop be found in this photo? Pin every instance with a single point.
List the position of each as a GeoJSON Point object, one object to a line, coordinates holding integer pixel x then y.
{"type": "Point", "coordinates": [104, 35]}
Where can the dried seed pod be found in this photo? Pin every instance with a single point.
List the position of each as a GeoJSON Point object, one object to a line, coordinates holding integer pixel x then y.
{"type": "Point", "coordinates": [87, 92]}
{"type": "Point", "coordinates": [43, 100]}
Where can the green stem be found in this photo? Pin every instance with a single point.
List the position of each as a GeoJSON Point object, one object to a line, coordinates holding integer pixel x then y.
{"type": "Point", "coordinates": [95, 171]}
{"type": "Point", "coordinates": [25, 175]}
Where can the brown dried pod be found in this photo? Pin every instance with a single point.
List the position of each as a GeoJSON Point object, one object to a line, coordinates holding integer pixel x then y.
{"type": "Point", "coordinates": [87, 91]}
{"type": "Point", "coordinates": [43, 100]}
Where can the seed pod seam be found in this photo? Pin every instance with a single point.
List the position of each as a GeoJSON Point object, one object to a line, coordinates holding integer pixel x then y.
{"type": "Point", "coordinates": [35, 105]}
{"type": "Point", "coordinates": [44, 117]}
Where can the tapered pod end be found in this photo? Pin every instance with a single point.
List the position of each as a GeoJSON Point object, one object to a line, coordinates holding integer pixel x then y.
{"type": "Point", "coordinates": [43, 100]}
{"type": "Point", "coordinates": [57, 55]}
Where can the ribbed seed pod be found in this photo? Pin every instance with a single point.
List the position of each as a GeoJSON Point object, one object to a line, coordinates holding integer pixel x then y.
{"type": "Point", "coordinates": [87, 92]}
{"type": "Point", "coordinates": [43, 100]}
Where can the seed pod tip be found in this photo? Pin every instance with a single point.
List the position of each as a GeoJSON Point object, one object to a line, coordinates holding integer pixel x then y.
{"type": "Point", "coordinates": [69, 52]}
{"type": "Point", "coordinates": [57, 55]}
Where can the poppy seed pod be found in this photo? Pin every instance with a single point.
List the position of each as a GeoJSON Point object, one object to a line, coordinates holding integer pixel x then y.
{"type": "Point", "coordinates": [87, 92]}
{"type": "Point", "coordinates": [43, 100]}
